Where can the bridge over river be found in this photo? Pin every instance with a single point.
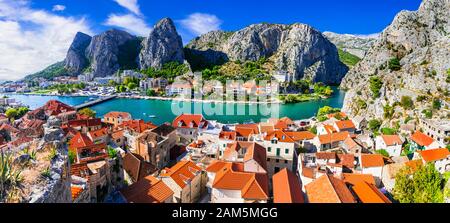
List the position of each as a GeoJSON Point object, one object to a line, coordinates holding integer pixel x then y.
{"type": "Point", "coordinates": [94, 102]}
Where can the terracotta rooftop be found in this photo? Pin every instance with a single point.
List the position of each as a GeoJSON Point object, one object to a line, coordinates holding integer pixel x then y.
{"type": "Point", "coordinates": [280, 135]}
{"type": "Point", "coordinates": [431, 155]}
{"type": "Point", "coordinates": [300, 136]}
{"type": "Point", "coordinates": [182, 172]}
{"type": "Point", "coordinates": [326, 155]}
{"type": "Point", "coordinates": [287, 188]}
{"type": "Point", "coordinates": [421, 139]}
{"type": "Point", "coordinates": [391, 140]}
{"type": "Point", "coordinates": [147, 190]}
{"type": "Point", "coordinates": [371, 160]}
{"type": "Point", "coordinates": [80, 140]}
{"type": "Point", "coordinates": [328, 189]}
{"type": "Point", "coordinates": [368, 193]}
{"type": "Point", "coordinates": [116, 114]}
{"type": "Point", "coordinates": [99, 133]}
{"type": "Point", "coordinates": [346, 124]}
{"type": "Point", "coordinates": [190, 121]}
{"type": "Point", "coordinates": [354, 178]}
{"type": "Point", "coordinates": [138, 126]}
{"type": "Point", "coordinates": [333, 137]}
{"type": "Point", "coordinates": [227, 135]}
{"type": "Point", "coordinates": [136, 167]}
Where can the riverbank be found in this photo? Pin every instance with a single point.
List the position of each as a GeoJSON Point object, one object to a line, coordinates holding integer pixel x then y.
{"type": "Point", "coordinates": [197, 100]}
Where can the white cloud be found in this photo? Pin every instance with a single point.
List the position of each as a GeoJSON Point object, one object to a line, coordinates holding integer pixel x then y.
{"type": "Point", "coordinates": [32, 39]}
{"type": "Point", "coordinates": [201, 23]}
{"type": "Point", "coordinates": [59, 8]}
{"type": "Point", "coordinates": [129, 22]}
{"type": "Point", "coordinates": [131, 5]}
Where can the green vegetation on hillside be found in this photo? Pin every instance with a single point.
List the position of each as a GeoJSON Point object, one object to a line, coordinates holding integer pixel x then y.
{"type": "Point", "coordinates": [375, 85]}
{"type": "Point", "coordinates": [347, 58]}
{"type": "Point", "coordinates": [237, 70]}
{"type": "Point", "coordinates": [54, 70]}
{"type": "Point", "coordinates": [67, 88]}
{"type": "Point", "coordinates": [394, 64]}
{"type": "Point", "coordinates": [169, 71]}
{"type": "Point", "coordinates": [324, 111]}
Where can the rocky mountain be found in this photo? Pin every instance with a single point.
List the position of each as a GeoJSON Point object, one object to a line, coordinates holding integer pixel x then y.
{"type": "Point", "coordinates": [411, 58]}
{"type": "Point", "coordinates": [356, 45]}
{"type": "Point", "coordinates": [163, 45]}
{"type": "Point", "coordinates": [103, 51]}
{"type": "Point", "coordinates": [76, 59]}
{"type": "Point", "coordinates": [298, 49]}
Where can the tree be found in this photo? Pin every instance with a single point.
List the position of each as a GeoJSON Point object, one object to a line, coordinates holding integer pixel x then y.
{"type": "Point", "coordinates": [388, 131]}
{"type": "Point", "coordinates": [132, 85]}
{"type": "Point", "coordinates": [151, 92]}
{"type": "Point", "coordinates": [374, 125]}
{"type": "Point", "coordinates": [388, 111]}
{"type": "Point", "coordinates": [436, 104]}
{"type": "Point", "coordinates": [407, 102]}
{"type": "Point", "coordinates": [383, 152]}
{"type": "Point", "coordinates": [375, 85]}
{"type": "Point", "coordinates": [394, 64]}
{"type": "Point", "coordinates": [72, 156]}
{"type": "Point", "coordinates": [422, 186]}
{"type": "Point", "coordinates": [88, 112]}
{"type": "Point", "coordinates": [11, 113]}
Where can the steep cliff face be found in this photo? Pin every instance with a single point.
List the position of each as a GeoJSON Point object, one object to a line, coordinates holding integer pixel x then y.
{"type": "Point", "coordinates": [420, 40]}
{"type": "Point", "coordinates": [103, 51]}
{"type": "Point", "coordinates": [162, 45]}
{"type": "Point", "coordinates": [76, 59]}
{"type": "Point", "coordinates": [356, 45]}
{"type": "Point", "coordinates": [298, 49]}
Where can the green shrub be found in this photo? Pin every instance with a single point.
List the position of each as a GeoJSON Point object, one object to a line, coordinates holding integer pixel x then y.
{"type": "Point", "coordinates": [383, 152]}
{"type": "Point", "coordinates": [394, 64]}
{"type": "Point", "coordinates": [436, 104]}
{"type": "Point", "coordinates": [388, 131]}
{"type": "Point", "coordinates": [374, 125]}
{"type": "Point", "coordinates": [375, 85]}
{"type": "Point", "coordinates": [407, 102]}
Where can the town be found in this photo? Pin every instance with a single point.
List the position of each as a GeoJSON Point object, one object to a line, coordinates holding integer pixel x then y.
{"type": "Point", "coordinates": [60, 154]}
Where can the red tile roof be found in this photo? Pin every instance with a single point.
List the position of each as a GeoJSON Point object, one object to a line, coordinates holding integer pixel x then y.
{"type": "Point", "coordinates": [354, 178]}
{"type": "Point", "coordinates": [286, 188]}
{"type": "Point", "coordinates": [99, 133]}
{"type": "Point", "coordinates": [189, 121]}
{"type": "Point", "coordinates": [333, 137]}
{"type": "Point", "coordinates": [147, 190]}
{"type": "Point", "coordinates": [300, 136]}
{"type": "Point", "coordinates": [54, 107]}
{"type": "Point", "coordinates": [280, 135]}
{"type": "Point", "coordinates": [116, 114]}
{"type": "Point", "coordinates": [328, 189]}
{"type": "Point", "coordinates": [346, 124]}
{"type": "Point", "coordinates": [421, 139]}
{"type": "Point", "coordinates": [368, 193]}
{"type": "Point", "coordinates": [431, 155]}
{"type": "Point", "coordinates": [80, 140]}
{"type": "Point", "coordinates": [227, 135]}
{"type": "Point", "coordinates": [76, 191]}
{"type": "Point", "coordinates": [138, 126]}
{"type": "Point", "coordinates": [85, 122]}
{"type": "Point", "coordinates": [371, 160]}
{"type": "Point", "coordinates": [253, 186]}
{"type": "Point", "coordinates": [182, 172]}
{"type": "Point", "coordinates": [391, 140]}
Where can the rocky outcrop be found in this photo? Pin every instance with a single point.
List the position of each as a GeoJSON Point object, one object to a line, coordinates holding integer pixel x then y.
{"type": "Point", "coordinates": [161, 46]}
{"type": "Point", "coordinates": [421, 41]}
{"type": "Point", "coordinates": [76, 59]}
{"type": "Point", "coordinates": [354, 44]}
{"type": "Point", "coordinates": [103, 51]}
{"type": "Point", "coordinates": [298, 49]}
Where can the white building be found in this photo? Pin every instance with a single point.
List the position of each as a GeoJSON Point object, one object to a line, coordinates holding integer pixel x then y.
{"type": "Point", "coordinates": [391, 143]}
{"type": "Point", "coordinates": [372, 164]}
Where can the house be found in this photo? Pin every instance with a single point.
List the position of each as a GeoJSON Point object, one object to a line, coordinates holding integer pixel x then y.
{"type": "Point", "coordinates": [182, 89]}
{"type": "Point", "coordinates": [188, 126]}
{"type": "Point", "coordinates": [225, 137]}
{"type": "Point", "coordinates": [360, 122]}
{"type": "Point", "coordinates": [85, 125]}
{"type": "Point", "coordinates": [186, 180]}
{"type": "Point", "coordinates": [281, 151]}
{"type": "Point", "coordinates": [116, 118]}
{"type": "Point", "coordinates": [245, 132]}
{"type": "Point", "coordinates": [325, 129]}
{"type": "Point", "coordinates": [252, 154]}
{"type": "Point", "coordinates": [99, 136]}
{"type": "Point", "coordinates": [391, 143]}
{"type": "Point", "coordinates": [148, 190]}
{"type": "Point", "coordinates": [287, 188]}
{"type": "Point", "coordinates": [328, 189]}
{"type": "Point", "coordinates": [420, 141]}
{"type": "Point", "coordinates": [136, 168]}
{"type": "Point", "coordinates": [53, 108]}
{"type": "Point", "coordinates": [132, 129]}
{"type": "Point", "coordinates": [369, 193]}
{"type": "Point", "coordinates": [439, 130]}
{"type": "Point", "coordinates": [350, 145]}
{"type": "Point", "coordinates": [372, 164]}
{"type": "Point", "coordinates": [330, 141]}
{"type": "Point", "coordinates": [117, 138]}
{"type": "Point", "coordinates": [154, 148]}
{"type": "Point", "coordinates": [85, 150]}
{"type": "Point", "coordinates": [345, 126]}
{"type": "Point", "coordinates": [231, 184]}
{"type": "Point", "coordinates": [439, 157]}
{"type": "Point", "coordinates": [303, 138]}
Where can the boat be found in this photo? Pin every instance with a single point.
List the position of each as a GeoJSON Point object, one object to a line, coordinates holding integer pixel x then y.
{"type": "Point", "coordinates": [152, 116]}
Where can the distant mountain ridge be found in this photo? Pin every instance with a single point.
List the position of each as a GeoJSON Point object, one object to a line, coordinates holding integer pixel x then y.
{"type": "Point", "coordinates": [357, 45]}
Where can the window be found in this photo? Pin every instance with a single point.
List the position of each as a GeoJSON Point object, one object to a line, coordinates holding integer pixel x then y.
{"type": "Point", "coordinates": [269, 149]}
{"type": "Point", "coordinates": [277, 160]}
{"type": "Point", "coordinates": [278, 151]}
{"type": "Point", "coordinates": [276, 169]}
{"type": "Point", "coordinates": [268, 159]}
{"type": "Point", "coordinates": [286, 151]}
{"type": "Point", "coordinates": [285, 161]}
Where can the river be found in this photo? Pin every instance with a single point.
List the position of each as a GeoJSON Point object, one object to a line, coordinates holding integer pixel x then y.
{"type": "Point", "coordinates": [160, 111]}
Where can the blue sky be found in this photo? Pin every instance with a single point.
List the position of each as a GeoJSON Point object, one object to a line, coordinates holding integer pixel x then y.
{"type": "Point", "coordinates": [37, 33]}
